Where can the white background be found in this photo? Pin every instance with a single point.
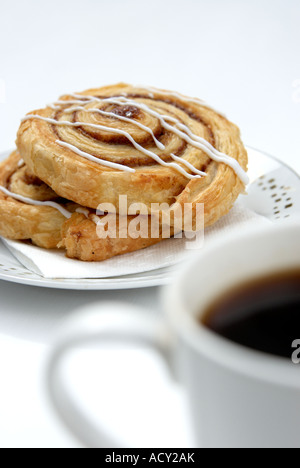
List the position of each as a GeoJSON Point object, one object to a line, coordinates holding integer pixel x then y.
{"type": "Point", "coordinates": [240, 56]}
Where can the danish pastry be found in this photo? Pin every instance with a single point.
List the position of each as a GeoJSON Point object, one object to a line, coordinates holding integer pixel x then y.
{"type": "Point", "coordinates": [152, 146]}
{"type": "Point", "coordinates": [21, 220]}
{"type": "Point", "coordinates": [30, 210]}
{"type": "Point", "coordinates": [122, 147]}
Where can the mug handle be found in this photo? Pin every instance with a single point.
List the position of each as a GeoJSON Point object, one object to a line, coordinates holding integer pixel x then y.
{"type": "Point", "coordinates": [89, 326]}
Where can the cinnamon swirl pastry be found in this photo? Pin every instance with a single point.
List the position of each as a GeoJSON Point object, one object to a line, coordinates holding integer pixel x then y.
{"type": "Point", "coordinates": [30, 210]}
{"type": "Point", "coordinates": [27, 206]}
{"type": "Point", "coordinates": [151, 145]}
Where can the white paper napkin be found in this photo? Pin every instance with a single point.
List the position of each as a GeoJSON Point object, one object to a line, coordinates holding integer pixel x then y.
{"type": "Point", "coordinates": [53, 264]}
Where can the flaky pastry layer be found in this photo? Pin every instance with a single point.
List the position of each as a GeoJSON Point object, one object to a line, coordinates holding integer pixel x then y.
{"type": "Point", "coordinates": [88, 183]}
{"type": "Point", "coordinates": [46, 227]}
{"type": "Point", "coordinates": [20, 221]}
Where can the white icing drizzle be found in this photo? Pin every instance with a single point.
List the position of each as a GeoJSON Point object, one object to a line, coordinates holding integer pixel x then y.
{"type": "Point", "coordinates": [112, 130]}
{"type": "Point", "coordinates": [185, 133]}
{"type": "Point", "coordinates": [57, 105]}
{"type": "Point", "coordinates": [53, 106]}
{"type": "Point", "coordinates": [147, 109]}
{"type": "Point", "coordinates": [21, 163]}
{"type": "Point", "coordinates": [178, 128]}
{"type": "Point", "coordinates": [88, 215]}
{"type": "Point", "coordinates": [95, 219]}
{"type": "Point", "coordinates": [120, 117]}
{"type": "Point", "coordinates": [83, 211]}
{"type": "Point", "coordinates": [29, 201]}
{"type": "Point", "coordinates": [93, 158]}
{"type": "Point", "coordinates": [179, 96]}
{"type": "Point", "coordinates": [189, 137]}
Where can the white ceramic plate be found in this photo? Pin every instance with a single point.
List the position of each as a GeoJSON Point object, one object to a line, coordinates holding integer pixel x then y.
{"type": "Point", "coordinates": [274, 192]}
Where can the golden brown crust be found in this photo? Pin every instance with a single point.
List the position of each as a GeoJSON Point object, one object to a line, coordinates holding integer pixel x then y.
{"type": "Point", "coordinates": [81, 241]}
{"type": "Point", "coordinates": [19, 221]}
{"type": "Point", "coordinates": [28, 185]}
{"type": "Point", "coordinates": [89, 183]}
{"type": "Point", "coordinates": [48, 228]}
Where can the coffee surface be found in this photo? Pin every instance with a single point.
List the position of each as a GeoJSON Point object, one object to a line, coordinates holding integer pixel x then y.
{"type": "Point", "coordinates": [263, 315]}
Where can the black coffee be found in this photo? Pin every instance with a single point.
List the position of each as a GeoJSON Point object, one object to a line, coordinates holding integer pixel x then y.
{"type": "Point", "coordinates": [263, 315]}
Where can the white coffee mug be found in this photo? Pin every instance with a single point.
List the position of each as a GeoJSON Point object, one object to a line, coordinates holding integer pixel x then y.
{"type": "Point", "coordinates": [238, 397]}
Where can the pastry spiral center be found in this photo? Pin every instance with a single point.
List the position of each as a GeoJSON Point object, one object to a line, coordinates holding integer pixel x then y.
{"type": "Point", "coordinates": [131, 112]}
{"type": "Point", "coordinates": [136, 129]}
